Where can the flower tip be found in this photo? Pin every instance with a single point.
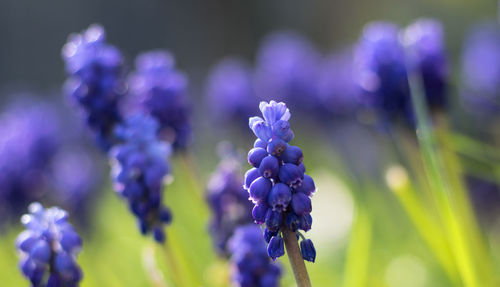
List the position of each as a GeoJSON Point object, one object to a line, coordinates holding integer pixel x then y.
{"type": "Point", "coordinates": [94, 33]}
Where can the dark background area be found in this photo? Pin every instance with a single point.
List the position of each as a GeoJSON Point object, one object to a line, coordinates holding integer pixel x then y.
{"type": "Point", "coordinates": [199, 32]}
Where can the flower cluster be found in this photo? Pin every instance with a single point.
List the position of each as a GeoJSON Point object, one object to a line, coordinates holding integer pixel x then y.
{"type": "Point", "coordinates": [161, 91]}
{"type": "Point", "coordinates": [132, 136]}
{"type": "Point", "coordinates": [337, 92]}
{"type": "Point", "coordinates": [231, 82]}
{"type": "Point", "coordinates": [139, 169]}
{"type": "Point", "coordinates": [381, 71]}
{"type": "Point", "coordinates": [427, 58]}
{"type": "Point", "coordinates": [49, 248]}
{"type": "Point", "coordinates": [228, 201]}
{"type": "Point", "coordinates": [385, 56]}
{"type": "Point", "coordinates": [35, 162]}
{"type": "Point", "coordinates": [481, 69]}
{"type": "Point", "coordinates": [277, 183]}
{"type": "Point", "coordinates": [95, 83]}
{"type": "Point", "coordinates": [251, 265]}
{"type": "Point", "coordinates": [286, 69]}
{"type": "Point", "coordinates": [30, 140]}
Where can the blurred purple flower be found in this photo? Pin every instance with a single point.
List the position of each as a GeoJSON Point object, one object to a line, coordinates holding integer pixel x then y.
{"type": "Point", "coordinates": [251, 265]}
{"type": "Point", "coordinates": [95, 80]}
{"type": "Point", "coordinates": [161, 90]}
{"type": "Point", "coordinates": [481, 69]}
{"type": "Point", "coordinates": [381, 71]}
{"type": "Point", "coordinates": [338, 94]}
{"type": "Point", "coordinates": [424, 40]}
{"type": "Point", "coordinates": [286, 70]}
{"type": "Point", "coordinates": [230, 91]}
{"type": "Point", "coordinates": [30, 139]}
{"type": "Point", "coordinates": [228, 201]}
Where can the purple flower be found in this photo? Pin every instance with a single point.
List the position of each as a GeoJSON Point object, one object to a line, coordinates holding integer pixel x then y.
{"type": "Point", "coordinates": [256, 155]}
{"type": "Point", "coordinates": [279, 197]}
{"type": "Point", "coordinates": [308, 250]}
{"type": "Point", "coordinates": [139, 169]}
{"type": "Point", "coordinates": [424, 40]}
{"type": "Point", "coordinates": [381, 71]}
{"type": "Point", "coordinates": [30, 138]}
{"type": "Point", "coordinates": [95, 71]}
{"type": "Point", "coordinates": [338, 94]}
{"type": "Point", "coordinates": [250, 176]}
{"type": "Point", "coordinates": [228, 201]}
{"type": "Point", "coordinates": [230, 91]}
{"type": "Point", "coordinates": [161, 91]}
{"type": "Point", "coordinates": [269, 167]}
{"type": "Point", "coordinates": [481, 69]}
{"type": "Point", "coordinates": [251, 264]}
{"type": "Point", "coordinates": [49, 247]}
{"type": "Point", "coordinates": [259, 189]}
{"type": "Point", "coordinates": [276, 247]}
{"type": "Point", "coordinates": [277, 183]}
{"type": "Point", "coordinates": [286, 69]}
{"type": "Point", "coordinates": [265, 128]}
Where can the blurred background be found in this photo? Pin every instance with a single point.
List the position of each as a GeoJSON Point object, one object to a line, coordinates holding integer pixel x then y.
{"type": "Point", "coordinates": [356, 214]}
{"type": "Point", "coordinates": [201, 33]}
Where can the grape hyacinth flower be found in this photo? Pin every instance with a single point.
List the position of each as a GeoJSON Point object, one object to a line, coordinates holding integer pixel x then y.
{"type": "Point", "coordinates": [381, 72]}
{"type": "Point", "coordinates": [30, 140]}
{"type": "Point", "coordinates": [481, 69]}
{"type": "Point", "coordinates": [228, 201]}
{"type": "Point", "coordinates": [139, 168]}
{"type": "Point", "coordinates": [231, 83]}
{"type": "Point", "coordinates": [251, 265]}
{"type": "Point", "coordinates": [338, 94]}
{"type": "Point", "coordinates": [424, 40]}
{"type": "Point", "coordinates": [286, 69]}
{"type": "Point", "coordinates": [48, 248]}
{"type": "Point", "coordinates": [95, 81]}
{"type": "Point", "coordinates": [277, 183]}
{"type": "Point", "coordinates": [161, 91]}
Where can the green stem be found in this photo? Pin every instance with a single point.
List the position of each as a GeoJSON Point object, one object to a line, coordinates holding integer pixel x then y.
{"type": "Point", "coordinates": [358, 254]}
{"type": "Point", "coordinates": [462, 201]}
{"type": "Point", "coordinates": [475, 149]}
{"type": "Point", "coordinates": [296, 260]}
{"type": "Point", "coordinates": [154, 274]}
{"type": "Point", "coordinates": [457, 235]}
{"type": "Point", "coordinates": [173, 269]}
{"type": "Point", "coordinates": [429, 229]}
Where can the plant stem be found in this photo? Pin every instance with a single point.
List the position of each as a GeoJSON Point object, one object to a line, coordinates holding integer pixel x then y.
{"type": "Point", "coordinates": [426, 225]}
{"type": "Point", "coordinates": [457, 235]}
{"type": "Point", "coordinates": [172, 265]}
{"type": "Point", "coordinates": [150, 266]}
{"type": "Point", "coordinates": [462, 201]}
{"type": "Point", "coordinates": [295, 257]}
{"type": "Point", "coordinates": [358, 253]}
